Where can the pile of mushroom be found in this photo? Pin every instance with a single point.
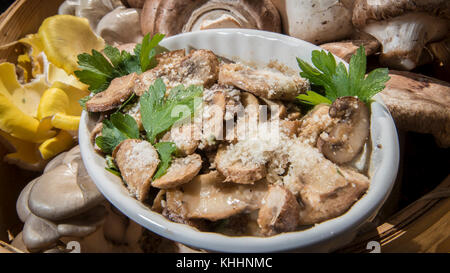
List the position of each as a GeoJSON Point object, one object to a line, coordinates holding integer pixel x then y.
{"type": "Point", "coordinates": [110, 19]}
{"type": "Point", "coordinates": [64, 205]}
{"type": "Point", "coordinates": [175, 16]}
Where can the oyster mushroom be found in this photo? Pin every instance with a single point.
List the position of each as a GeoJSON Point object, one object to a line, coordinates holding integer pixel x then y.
{"type": "Point", "coordinates": [316, 21]}
{"type": "Point", "coordinates": [420, 104]}
{"type": "Point", "coordinates": [119, 26]}
{"type": "Point", "coordinates": [403, 27]}
{"type": "Point", "coordinates": [175, 16]}
{"type": "Point", "coordinates": [343, 141]}
{"type": "Point", "coordinates": [63, 202]}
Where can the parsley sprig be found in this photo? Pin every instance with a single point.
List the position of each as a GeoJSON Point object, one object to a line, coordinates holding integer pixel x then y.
{"type": "Point", "coordinates": [97, 70]}
{"type": "Point", "coordinates": [160, 113]}
{"type": "Point", "coordinates": [337, 81]}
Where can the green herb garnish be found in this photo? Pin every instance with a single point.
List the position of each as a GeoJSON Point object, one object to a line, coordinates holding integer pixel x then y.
{"type": "Point", "coordinates": [165, 150]}
{"type": "Point", "coordinates": [97, 71]}
{"type": "Point", "coordinates": [337, 81]}
{"type": "Point", "coordinates": [115, 130]}
{"type": "Point", "coordinates": [111, 166]}
{"type": "Point", "coordinates": [159, 113]}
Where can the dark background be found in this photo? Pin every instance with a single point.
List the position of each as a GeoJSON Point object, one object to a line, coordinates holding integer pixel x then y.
{"type": "Point", "coordinates": [4, 4]}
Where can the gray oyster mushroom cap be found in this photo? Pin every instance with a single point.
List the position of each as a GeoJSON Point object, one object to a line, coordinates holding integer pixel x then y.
{"type": "Point", "coordinates": [22, 202]}
{"type": "Point", "coordinates": [63, 192]}
{"type": "Point", "coordinates": [63, 202]}
{"type": "Point", "coordinates": [55, 162]}
{"type": "Point", "coordinates": [39, 233]}
{"type": "Point", "coordinates": [83, 224]}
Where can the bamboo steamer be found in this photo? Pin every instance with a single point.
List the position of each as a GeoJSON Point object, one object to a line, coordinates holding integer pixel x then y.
{"type": "Point", "coordinates": [423, 226]}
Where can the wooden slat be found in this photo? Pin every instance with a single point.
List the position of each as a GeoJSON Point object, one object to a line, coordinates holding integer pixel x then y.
{"type": "Point", "coordinates": [23, 17]}
{"type": "Point", "coordinates": [423, 226]}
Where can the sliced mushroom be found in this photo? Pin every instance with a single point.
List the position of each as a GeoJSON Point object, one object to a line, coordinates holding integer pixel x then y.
{"type": "Point", "coordinates": [119, 26]}
{"type": "Point", "coordinates": [290, 127]}
{"type": "Point", "coordinates": [314, 123]}
{"type": "Point", "coordinates": [326, 199]}
{"type": "Point", "coordinates": [207, 197]}
{"type": "Point", "coordinates": [238, 171]}
{"type": "Point", "coordinates": [175, 16]}
{"type": "Point", "coordinates": [184, 136]}
{"type": "Point", "coordinates": [325, 189]}
{"type": "Point", "coordinates": [420, 104]}
{"type": "Point", "coordinates": [200, 67]}
{"type": "Point", "coordinates": [346, 49]}
{"type": "Point", "coordinates": [171, 57]}
{"type": "Point", "coordinates": [316, 21]}
{"type": "Point", "coordinates": [280, 211]}
{"type": "Point", "coordinates": [159, 201]}
{"type": "Point", "coordinates": [412, 23]}
{"type": "Point", "coordinates": [181, 171]}
{"type": "Point", "coordinates": [343, 141]}
{"type": "Point", "coordinates": [277, 109]}
{"type": "Point", "coordinates": [137, 161]}
{"type": "Point", "coordinates": [269, 84]}
{"type": "Point", "coordinates": [128, 47]}
{"type": "Point", "coordinates": [213, 115]}
{"type": "Point", "coordinates": [117, 93]}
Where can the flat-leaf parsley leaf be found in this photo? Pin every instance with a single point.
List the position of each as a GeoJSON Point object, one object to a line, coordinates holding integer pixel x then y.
{"type": "Point", "coordinates": [337, 81]}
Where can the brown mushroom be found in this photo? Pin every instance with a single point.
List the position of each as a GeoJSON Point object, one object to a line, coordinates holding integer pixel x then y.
{"type": "Point", "coordinates": [137, 4]}
{"type": "Point", "coordinates": [175, 16]}
{"type": "Point", "coordinates": [118, 91]}
{"type": "Point", "coordinates": [403, 27]}
{"type": "Point", "coordinates": [207, 197]}
{"type": "Point", "coordinates": [200, 67]}
{"type": "Point", "coordinates": [137, 161]}
{"type": "Point", "coordinates": [343, 141]}
{"type": "Point", "coordinates": [420, 104]}
{"type": "Point", "coordinates": [184, 137]}
{"type": "Point", "coordinates": [346, 49]}
{"type": "Point", "coordinates": [181, 171]}
{"type": "Point", "coordinates": [280, 211]}
{"type": "Point", "coordinates": [238, 171]}
{"type": "Point", "coordinates": [325, 189]}
{"type": "Point", "coordinates": [269, 84]}
{"type": "Point", "coordinates": [314, 123]}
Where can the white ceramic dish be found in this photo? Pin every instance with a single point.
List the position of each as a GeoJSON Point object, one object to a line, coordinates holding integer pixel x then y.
{"type": "Point", "coordinates": [258, 47]}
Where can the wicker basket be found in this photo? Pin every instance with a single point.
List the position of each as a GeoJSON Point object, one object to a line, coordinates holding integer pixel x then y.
{"type": "Point", "coordinates": [423, 226]}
